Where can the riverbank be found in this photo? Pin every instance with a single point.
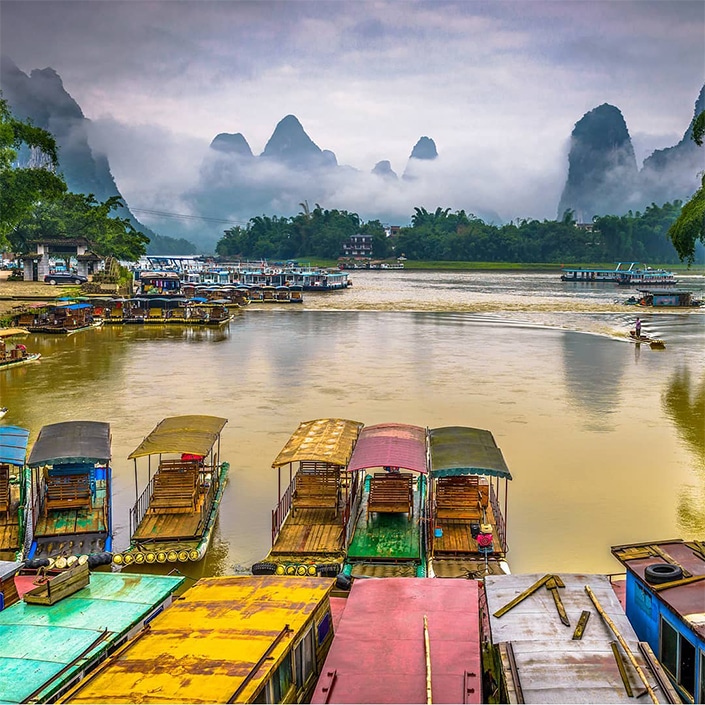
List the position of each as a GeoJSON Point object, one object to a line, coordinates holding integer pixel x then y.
{"type": "Point", "coordinates": [11, 291]}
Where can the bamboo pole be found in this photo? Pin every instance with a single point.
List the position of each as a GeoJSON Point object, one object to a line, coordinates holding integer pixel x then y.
{"type": "Point", "coordinates": [622, 642]}
{"type": "Point", "coordinates": [427, 649]}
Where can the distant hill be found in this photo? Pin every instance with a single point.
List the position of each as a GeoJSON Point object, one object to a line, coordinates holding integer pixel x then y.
{"type": "Point", "coordinates": [41, 98]}
{"type": "Point", "coordinates": [603, 176]}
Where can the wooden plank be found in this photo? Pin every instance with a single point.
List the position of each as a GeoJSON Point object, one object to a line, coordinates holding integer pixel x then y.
{"type": "Point", "coordinates": [582, 624]}
{"type": "Point", "coordinates": [59, 586]}
{"type": "Point", "coordinates": [622, 668]}
{"type": "Point", "coordinates": [519, 598]}
{"type": "Point", "coordinates": [669, 559]}
{"type": "Point", "coordinates": [552, 586]}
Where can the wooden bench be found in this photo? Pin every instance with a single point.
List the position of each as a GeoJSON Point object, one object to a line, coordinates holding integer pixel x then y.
{"type": "Point", "coordinates": [461, 498]}
{"type": "Point", "coordinates": [319, 489]}
{"type": "Point", "coordinates": [175, 487]}
{"type": "Point", "coordinates": [68, 492]}
{"type": "Point", "coordinates": [4, 488]}
{"type": "Point", "coordinates": [391, 493]}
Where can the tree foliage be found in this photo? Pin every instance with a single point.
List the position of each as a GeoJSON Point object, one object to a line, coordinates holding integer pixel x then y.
{"type": "Point", "coordinates": [22, 188]}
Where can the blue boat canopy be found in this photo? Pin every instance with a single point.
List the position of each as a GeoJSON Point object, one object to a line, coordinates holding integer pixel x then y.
{"type": "Point", "coordinates": [71, 442]}
{"type": "Point", "coordinates": [461, 450]}
{"type": "Point", "coordinates": [13, 445]}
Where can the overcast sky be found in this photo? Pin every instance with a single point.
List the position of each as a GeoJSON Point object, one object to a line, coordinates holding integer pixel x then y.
{"type": "Point", "coordinates": [497, 85]}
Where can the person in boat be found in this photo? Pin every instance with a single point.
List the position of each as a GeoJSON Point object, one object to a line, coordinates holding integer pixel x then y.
{"type": "Point", "coordinates": [637, 327]}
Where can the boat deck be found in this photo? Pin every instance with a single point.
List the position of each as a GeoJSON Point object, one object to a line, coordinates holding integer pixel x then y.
{"type": "Point", "coordinates": [169, 527]}
{"type": "Point", "coordinates": [310, 532]}
{"type": "Point", "coordinates": [63, 522]}
{"type": "Point", "coordinates": [10, 528]}
{"type": "Point", "coordinates": [387, 536]}
{"type": "Point", "coordinates": [457, 538]}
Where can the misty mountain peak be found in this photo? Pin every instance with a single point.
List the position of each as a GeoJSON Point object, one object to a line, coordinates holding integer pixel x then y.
{"type": "Point", "coordinates": [425, 148]}
{"type": "Point", "coordinates": [231, 144]}
{"type": "Point", "coordinates": [384, 169]}
{"type": "Point", "coordinates": [290, 144]}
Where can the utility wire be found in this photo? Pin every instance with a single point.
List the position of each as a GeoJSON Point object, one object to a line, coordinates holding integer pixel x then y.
{"type": "Point", "coordinates": [185, 216]}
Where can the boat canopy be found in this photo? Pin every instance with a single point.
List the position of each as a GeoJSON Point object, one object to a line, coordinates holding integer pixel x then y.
{"type": "Point", "coordinates": [71, 442]}
{"type": "Point", "coordinates": [13, 445]}
{"type": "Point", "coordinates": [9, 332]}
{"type": "Point", "coordinates": [191, 434]}
{"type": "Point", "coordinates": [461, 450]}
{"type": "Point", "coordinates": [390, 445]}
{"type": "Point", "coordinates": [321, 440]}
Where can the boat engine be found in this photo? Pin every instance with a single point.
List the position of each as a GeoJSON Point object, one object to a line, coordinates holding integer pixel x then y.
{"type": "Point", "coordinates": [484, 538]}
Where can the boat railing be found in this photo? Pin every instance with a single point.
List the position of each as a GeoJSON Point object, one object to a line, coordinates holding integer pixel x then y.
{"type": "Point", "coordinates": [210, 490]}
{"type": "Point", "coordinates": [281, 511]}
{"type": "Point", "coordinates": [141, 506]}
{"type": "Point", "coordinates": [498, 519]}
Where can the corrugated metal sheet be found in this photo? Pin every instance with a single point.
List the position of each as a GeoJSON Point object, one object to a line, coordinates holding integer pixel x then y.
{"type": "Point", "coordinates": [13, 445]}
{"type": "Point", "coordinates": [43, 647]}
{"type": "Point", "coordinates": [378, 652]}
{"type": "Point", "coordinates": [192, 434]}
{"type": "Point", "coordinates": [321, 440]}
{"type": "Point", "coordinates": [207, 642]}
{"type": "Point", "coordinates": [390, 445]}
{"type": "Point", "coordinates": [552, 667]}
{"type": "Point", "coordinates": [461, 450]}
{"type": "Point", "coordinates": [687, 600]}
{"type": "Point", "coordinates": [70, 442]}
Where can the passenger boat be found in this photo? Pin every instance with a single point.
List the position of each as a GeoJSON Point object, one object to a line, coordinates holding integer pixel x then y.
{"type": "Point", "coordinates": [71, 491]}
{"type": "Point", "coordinates": [14, 484]}
{"type": "Point", "coordinates": [311, 519]}
{"type": "Point", "coordinates": [668, 577]}
{"type": "Point", "coordinates": [406, 640]}
{"type": "Point", "coordinates": [668, 298]}
{"type": "Point", "coordinates": [173, 518]}
{"type": "Point", "coordinates": [47, 649]}
{"type": "Point", "coordinates": [3, 411]}
{"type": "Point", "coordinates": [13, 354]}
{"type": "Point", "coordinates": [231, 639]}
{"type": "Point", "coordinates": [596, 275]}
{"type": "Point", "coordinates": [566, 639]}
{"type": "Point", "coordinates": [646, 276]}
{"type": "Point", "coordinates": [387, 534]}
{"type": "Point", "coordinates": [163, 283]}
{"type": "Point", "coordinates": [468, 480]}
{"type": "Point", "coordinates": [63, 318]}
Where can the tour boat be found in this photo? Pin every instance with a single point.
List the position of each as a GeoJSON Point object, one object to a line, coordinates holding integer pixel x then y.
{"type": "Point", "coordinates": [174, 516]}
{"type": "Point", "coordinates": [62, 318]}
{"type": "Point", "coordinates": [14, 484]}
{"type": "Point", "coordinates": [13, 354]}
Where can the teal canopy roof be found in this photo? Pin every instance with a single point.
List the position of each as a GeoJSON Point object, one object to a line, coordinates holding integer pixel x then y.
{"type": "Point", "coordinates": [461, 450]}
{"type": "Point", "coordinates": [71, 442]}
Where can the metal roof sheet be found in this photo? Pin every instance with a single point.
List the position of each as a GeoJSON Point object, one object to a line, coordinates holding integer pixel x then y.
{"type": "Point", "coordinates": [378, 653]}
{"type": "Point", "coordinates": [205, 644]}
{"type": "Point", "coordinates": [9, 568]}
{"type": "Point", "coordinates": [181, 434]}
{"type": "Point", "coordinates": [44, 647]}
{"type": "Point", "coordinates": [688, 600]}
{"type": "Point", "coordinates": [321, 440]}
{"type": "Point", "coordinates": [551, 666]}
{"type": "Point", "coordinates": [13, 445]}
{"type": "Point", "coordinates": [70, 442]}
{"type": "Point", "coordinates": [390, 445]}
{"type": "Point", "coordinates": [462, 450]}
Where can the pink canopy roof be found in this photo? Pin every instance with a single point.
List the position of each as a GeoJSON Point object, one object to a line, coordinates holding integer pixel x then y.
{"type": "Point", "coordinates": [390, 445]}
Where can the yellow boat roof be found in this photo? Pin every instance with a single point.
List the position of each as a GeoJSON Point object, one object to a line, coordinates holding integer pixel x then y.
{"type": "Point", "coordinates": [181, 434]}
{"type": "Point", "coordinates": [206, 643]}
{"type": "Point", "coordinates": [321, 440]}
{"type": "Point", "coordinates": [8, 332]}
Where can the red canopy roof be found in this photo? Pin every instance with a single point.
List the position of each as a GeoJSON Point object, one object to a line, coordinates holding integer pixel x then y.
{"type": "Point", "coordinates": [390, 445]}
{"type": "Point", "coordinates": [378, 653]}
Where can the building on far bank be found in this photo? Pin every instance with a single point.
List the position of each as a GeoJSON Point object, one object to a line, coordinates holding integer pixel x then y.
{"type": "Point", "coordinates": [38, 264]}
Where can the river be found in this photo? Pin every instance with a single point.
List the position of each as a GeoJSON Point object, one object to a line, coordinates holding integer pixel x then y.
{"type": "Point", "coordinates": [605, 439]}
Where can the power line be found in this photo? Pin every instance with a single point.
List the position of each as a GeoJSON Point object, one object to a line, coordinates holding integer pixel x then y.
{"type": "Point", "coordinates": [185, 216]}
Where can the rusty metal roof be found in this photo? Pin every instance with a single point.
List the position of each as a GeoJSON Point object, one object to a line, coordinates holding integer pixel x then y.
{"type": "Point", "coordinates": [687, 600]}
{"type": "Point", "coordinates": [390, 445]}
{"type": "Point", "coordinates": [181, 434]}
{"type": "Point", "coordinates": [378, 653]}
{"type": "Point", "coordinates": [551, 666]}
{"type": "Point", "coordinates": [321, 440]}
{"type": "Point", "coordinates": [221, 632]}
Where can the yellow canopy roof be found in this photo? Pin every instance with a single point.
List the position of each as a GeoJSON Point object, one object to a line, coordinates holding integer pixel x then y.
{"type": "Point", "coordinates": [220, 639]}
{"type": "Point", "coordinates": [181, 434]}
{"type": "Point", "coordinates": [7, 332]}
{"type": "Point", "coordinates": [322, 440]}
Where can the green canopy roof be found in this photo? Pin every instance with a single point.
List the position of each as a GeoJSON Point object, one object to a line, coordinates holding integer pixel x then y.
{"type": "Point", "coordinates": [461, 450]}
{"type": "Point", "coordinates": [181, 434]}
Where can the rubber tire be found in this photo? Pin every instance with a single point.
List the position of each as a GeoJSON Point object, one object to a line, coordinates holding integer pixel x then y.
{"type": "Point", "coordinates": [328, 570]}
{"type": "Point", "coordinates": [659, 573]}
{"type": "Point", "coordinates": [264, 568]}
{"type": "Point", "coordinates": [52, 282]}
{"type": "Point", "coordinates": [77, 281]}
{"type": "Point", "coordinates": [343, 582]}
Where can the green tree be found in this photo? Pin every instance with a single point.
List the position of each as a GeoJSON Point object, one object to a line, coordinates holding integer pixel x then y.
{"type": "Point", "coordinates": [79, 215]}
{"type": "Point", "coordinates": [21, 188]}
{"type": "Point", "coordinates": [689, 228]}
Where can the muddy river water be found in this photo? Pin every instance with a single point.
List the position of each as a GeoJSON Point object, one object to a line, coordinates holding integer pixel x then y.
{"type": "Point", "coordinates": [605, 439]}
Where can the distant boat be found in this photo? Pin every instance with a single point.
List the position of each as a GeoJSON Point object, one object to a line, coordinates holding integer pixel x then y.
{"type": "Point", "coordinates": [3, 411]}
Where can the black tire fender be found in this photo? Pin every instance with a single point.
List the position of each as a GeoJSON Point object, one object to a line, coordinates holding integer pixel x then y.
{"type": "Point", "coordinates": [659, 573]}
{"type": "Point", "coordinates": [343, 582]}
{"type": "Point", "coordinates": [264, 568]}
{"type": "Point", "coordinates": [328, 570]}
